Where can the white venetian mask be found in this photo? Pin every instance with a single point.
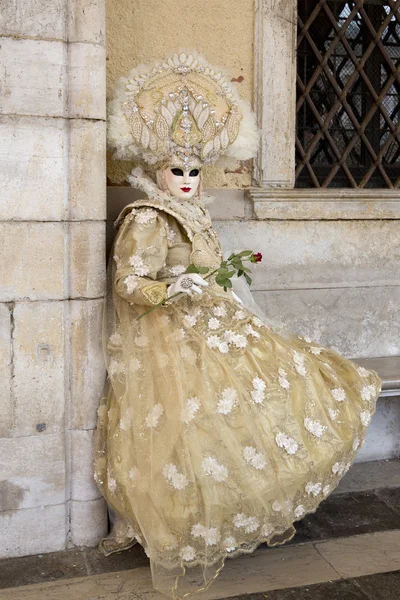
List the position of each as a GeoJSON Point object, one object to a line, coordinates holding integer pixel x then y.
{"type": "Point", "coordinates": [182, 184]}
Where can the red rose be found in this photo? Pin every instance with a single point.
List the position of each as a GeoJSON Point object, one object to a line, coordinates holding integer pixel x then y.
{"type": "Point", "coordinates": [257, 256]}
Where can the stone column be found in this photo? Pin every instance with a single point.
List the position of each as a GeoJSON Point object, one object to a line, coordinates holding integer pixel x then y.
{"type": "Point", "coordinates": [52, 212]}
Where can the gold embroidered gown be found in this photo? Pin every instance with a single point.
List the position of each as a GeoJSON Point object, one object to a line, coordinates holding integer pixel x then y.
{"type": "Point", "coordinates": [216, 432]}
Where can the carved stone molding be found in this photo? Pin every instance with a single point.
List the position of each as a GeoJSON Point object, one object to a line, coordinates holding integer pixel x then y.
{"type": "Point", "coordinates": [317, 204]}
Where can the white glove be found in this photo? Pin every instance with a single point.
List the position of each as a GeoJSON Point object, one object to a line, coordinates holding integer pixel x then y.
{"type": "Point", "coordinates": [187, 283]}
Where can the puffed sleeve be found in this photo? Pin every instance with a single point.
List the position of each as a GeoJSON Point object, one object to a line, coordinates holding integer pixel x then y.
{"type": "Point", "coordinates": [140, 251]}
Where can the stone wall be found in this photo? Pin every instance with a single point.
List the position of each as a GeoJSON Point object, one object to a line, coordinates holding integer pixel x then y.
{"type": "Point", "coordinates": [52, 211]}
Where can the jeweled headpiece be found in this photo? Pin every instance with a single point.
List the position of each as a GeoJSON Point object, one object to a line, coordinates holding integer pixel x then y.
{"type": "Point", "coordinates": [181, 111]}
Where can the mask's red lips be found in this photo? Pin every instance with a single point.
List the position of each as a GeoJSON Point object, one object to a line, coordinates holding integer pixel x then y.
{"type": "Point", "coordinates": [186, 189]}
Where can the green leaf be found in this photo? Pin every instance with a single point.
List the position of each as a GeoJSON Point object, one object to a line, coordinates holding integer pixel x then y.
{"type": "Point", "coordinates": [240, 272]}
{"type": "Point", "coordinates": [228, 284]}
{"type": "Point", "coordinates": [245, 253]}
{"type": "Point", "coordinates": [248, 279]}
{"type": "Point", "coordinates": [192, 269]}
{"type": "Point", "coordinates": [230, 273]}
{"type": "Point", "coordinates": [203, 270]}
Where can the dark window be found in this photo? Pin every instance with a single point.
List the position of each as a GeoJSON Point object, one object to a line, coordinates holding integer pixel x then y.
{"type": "Point", "coordinates": [348, 94]}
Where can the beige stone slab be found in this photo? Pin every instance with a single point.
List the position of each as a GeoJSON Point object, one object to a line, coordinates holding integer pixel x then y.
{"type": "Point", "coordinates": [33, 18]}
{"type": "Point", "coordinates": [32, 471]}
{"type": "Point", "coordinates": [87, 264]}
{"type": "Point", "coordinates": [363, 554]}
{"type": "Point", "coordinates": [32, 168]}
{"type": "Point", "coordinates": [369, 476]}
{"type": "Point", "coordinates": [86, 81]}
{"type": "Point", "coordinates": [87, 367]}
{"type": "Point", "coordinates": [318, 254]}
{"type": "Point", "coordinates": [83, 486]}
{"type": "Point", "coordinates": [318, 204]}
{"type": "Point", "coordinates": [32, 77]}
{"type": "Point", "coordinates": [39, 370]}
{"type": "Point", "coordinates": [89, 522]}
{"type": "Point", "coordinates": [358, 322]}
{"type": "Point", "coordinates": [87, 170]}
{"type": "Point", "coordinates": [264, 570]}
{"type": "Point", "coordinates": [382, 439]}
{"type": "Point", "coordinates": [32, 265]}
{"type": "Point", "coordinates": [6, 400]}
{"type": "Point", "coordinates": [86, 21]}
{"type": "Point", "coordinates": [32, 530]}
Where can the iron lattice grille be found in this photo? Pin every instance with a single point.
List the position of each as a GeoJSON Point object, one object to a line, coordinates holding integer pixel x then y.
{"type": "Point", "coordinates": [348, 94]}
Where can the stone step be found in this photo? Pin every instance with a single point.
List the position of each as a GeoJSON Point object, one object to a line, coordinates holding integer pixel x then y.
{"type": "Point", "coordinates": [365, 504]}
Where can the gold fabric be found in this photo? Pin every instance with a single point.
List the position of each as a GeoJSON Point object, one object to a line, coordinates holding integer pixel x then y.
{"type": "Point", "coordinates": [215, 432]}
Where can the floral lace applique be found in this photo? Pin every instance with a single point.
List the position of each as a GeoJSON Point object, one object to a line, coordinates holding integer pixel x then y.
{"type": "Point", "coordinates": [362, 371]}
{"type": "Point", "coordinates": [154, 416]}
{"type": "Point", "coordinates": [191, 408]}
{"type": "Point", "coordinates": [190, 320]}
{"type": "Point", "coordinates": [171, 234]}
{"type": "Point", "coordinates": [116, 368]}
{"type": "Point", "coordinates": [219, 311]}
{"type": "Point", "coordinates": [134, 475]}
{"type": "Point", "coordinates": [239, 314]}
{"type": "Point", "coordinates": [340, 468]}
{"type": "Point", "coordinates": [282, 379]}
{"type": "Point", "coordinates": [365, 417]}
{"type": "Point", "coordinates": [116, 338]}
{"type": "Point", "coordinates": [213, 468]}
{"type": "Point", "coordinates": [146, 215]}
{"type": "Point", "coordinates": [333, 413]}
{"type": "Point", "coordinates": [131, 283]}
{"type": "Point", "coordinates": [249, 330]}
{"type": "Point", "coordinates": [253, 457]}
{"type": "Point", "coordinates": [138, 265]}
{"type": "Point", "coordinates": [112, 484]}
{"type": "Point", "coordinates": [315, 350]}
{"type": "Point", "coordinates": [299, 511]}
{"type": "Point", "coordinates": [368, 393]}
{"type": "Point", "coordinates": [177, 270]}
{"type": "Point", "coordinates": [214, 341]}
{"type": "Point", "coordinates": [142, 341]}
{"type": "Point", "coordinates": [210, 535]}
{"type": "Point", "coordinates": [214, 323]}
{"type": "Point", "coordinates": [299, 365]}
{"type": "Point", "coordinates": [356, 444]}
{"type": "Point", "coordinates": [250, 524]}
{"type": "Point", "coordinates": [188, 553]}
{"type": "Point", "coordinates": [188, 355]}
{"type": "Point", "coordinates": [283, 506]}
{"type": "Point", "coordinates": [227, 401]}
{"type": "Point", "coordinates": [237, 339]}
{"type": "Point", "coordinates": [177, 480]}
{"type": "Point", "coordinates": [135, 364]}
{"type": "Point", "coordinates": [339, 394]}
{"type": "Point", "coordinates": [314, 427]}
{"type": "Point", "coordinates": [258, 393]}
{"type": "Point", "coordinates": [313, 488]}
{"type": "Point", "coordinates": [229, 544]}
{"type": "Point", "coordinates": [286, 442]}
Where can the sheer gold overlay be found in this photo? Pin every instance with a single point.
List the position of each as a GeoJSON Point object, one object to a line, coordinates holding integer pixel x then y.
{"type": "Point", "coordinates": [215, 431]}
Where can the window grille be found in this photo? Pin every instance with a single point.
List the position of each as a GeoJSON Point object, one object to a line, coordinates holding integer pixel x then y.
{"type": "Point", "coordinates": [348, 94]}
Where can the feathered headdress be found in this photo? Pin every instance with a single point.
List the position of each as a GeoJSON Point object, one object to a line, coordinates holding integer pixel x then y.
{"type": "Point", "coordinates": [180, 111]}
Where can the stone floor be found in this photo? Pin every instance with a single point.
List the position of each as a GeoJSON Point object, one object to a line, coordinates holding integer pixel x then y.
{"type": "Point", "coordinates": [348, 550]}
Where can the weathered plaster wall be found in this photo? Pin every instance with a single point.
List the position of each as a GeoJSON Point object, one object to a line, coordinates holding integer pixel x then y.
{"type": "Point", "coordinates": [141, 31]}
{"type": "Point", "coordinates": [52, 237]}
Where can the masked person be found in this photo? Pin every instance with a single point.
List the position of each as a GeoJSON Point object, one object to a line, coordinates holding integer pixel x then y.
{"type": "Point", "coordinates": [217, 430]}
